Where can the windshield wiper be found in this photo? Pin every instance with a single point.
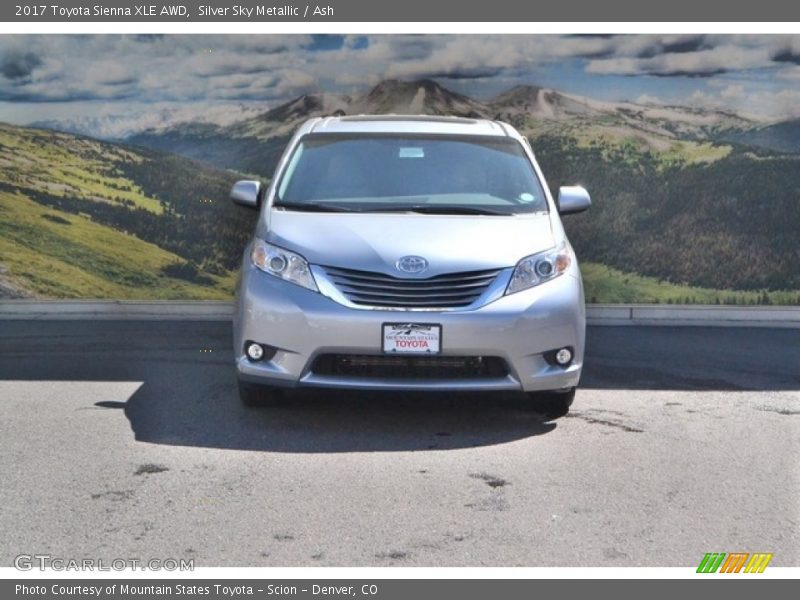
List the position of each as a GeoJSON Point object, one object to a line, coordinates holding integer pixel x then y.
{"type": "Point", "coordinates": [309, 207]}
{"type": "Point", "coordinates": [434, 209]}
{"type": "Point", "coordinates": [429, 209]}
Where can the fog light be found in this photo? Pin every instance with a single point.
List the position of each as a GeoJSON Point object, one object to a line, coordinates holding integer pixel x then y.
{"type": "Point", "coordinates": [254, 351]}
{"type": "Point", "coordinates": [564, 356]}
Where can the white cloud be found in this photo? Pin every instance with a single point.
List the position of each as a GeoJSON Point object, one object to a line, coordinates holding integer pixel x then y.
{"type": "Point", "coordinates": [759, 103]}
{"type": "Point", "coordinates": [649, 99]}
{"type": "Point", "coordinates": [269, 68]}
{"type": "Point", "coordinates": [700, 63]}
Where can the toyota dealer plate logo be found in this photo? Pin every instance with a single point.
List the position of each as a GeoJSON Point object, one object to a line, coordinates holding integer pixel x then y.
{"type": "Point", "coordinates": [412, 264]}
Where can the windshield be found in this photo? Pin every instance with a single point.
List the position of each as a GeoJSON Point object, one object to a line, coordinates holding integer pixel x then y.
{"type": "Point", "coordinates": [432, 173]}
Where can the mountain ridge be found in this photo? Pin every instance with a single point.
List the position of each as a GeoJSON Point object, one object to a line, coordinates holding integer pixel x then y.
{"type": "Point", "coordinates": [418, 96]}
{"type": "Point", "coordinates": [254, 144]}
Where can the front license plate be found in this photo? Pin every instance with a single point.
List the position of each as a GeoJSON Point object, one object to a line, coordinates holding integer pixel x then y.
{"type": "Point", "coordinates": [417, 338]}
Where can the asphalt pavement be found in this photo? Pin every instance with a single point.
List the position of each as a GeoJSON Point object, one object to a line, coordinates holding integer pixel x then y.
{"type": "Point", "coordinates": [127, 440]}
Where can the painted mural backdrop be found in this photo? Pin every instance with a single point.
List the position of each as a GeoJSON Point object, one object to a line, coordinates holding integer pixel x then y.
{"type": "Point", "coordinates": [117, 152]}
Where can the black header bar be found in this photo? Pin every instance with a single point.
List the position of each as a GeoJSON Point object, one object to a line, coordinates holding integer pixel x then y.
{"type": "Point", "coordinates": [337, 11]}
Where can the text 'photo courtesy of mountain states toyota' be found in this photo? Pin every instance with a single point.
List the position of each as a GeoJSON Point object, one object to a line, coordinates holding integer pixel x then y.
{"type": "Point", "coordinates": [409, 253]}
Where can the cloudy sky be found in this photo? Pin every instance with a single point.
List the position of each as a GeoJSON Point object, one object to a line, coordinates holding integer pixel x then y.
{"type": "Point", "coordinates": [61, 76]}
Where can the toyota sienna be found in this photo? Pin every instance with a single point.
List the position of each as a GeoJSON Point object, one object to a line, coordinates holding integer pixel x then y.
{"type": "Point", "coordinates": [409, 253]}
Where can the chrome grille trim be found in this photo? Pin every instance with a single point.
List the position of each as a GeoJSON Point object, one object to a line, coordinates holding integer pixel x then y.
{"type": "Point", "coordinates": [448, 291]}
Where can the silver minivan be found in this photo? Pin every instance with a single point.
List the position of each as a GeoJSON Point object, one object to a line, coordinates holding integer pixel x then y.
{"type": "Point", "coordinates": [409, 253]}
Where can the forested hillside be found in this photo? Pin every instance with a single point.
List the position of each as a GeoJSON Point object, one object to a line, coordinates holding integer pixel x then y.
{"type": "Point", "coordinates": [731, 223]}
{"type": "Point", "coordinates": [82, 218]}
{"type": "Point", "coordinates": [678, 214]}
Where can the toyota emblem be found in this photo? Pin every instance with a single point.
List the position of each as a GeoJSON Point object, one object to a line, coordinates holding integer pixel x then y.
{"type": "Point", "coordinates": [412, 264]}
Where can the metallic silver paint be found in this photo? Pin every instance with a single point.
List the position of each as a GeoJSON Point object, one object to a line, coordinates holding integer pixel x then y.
{"type": "Point", "coordinates": [246, 193]}
{"type": "Point", "coordinates": [376, 241]}
{"type": "Point", "coordinates": [573, 199]}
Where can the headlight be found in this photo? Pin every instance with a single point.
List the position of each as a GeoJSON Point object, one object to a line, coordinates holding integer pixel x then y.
{"type": "Point", "coordinates": [282, 263]}
{"type": "Point", "coordinates": [536, 269]}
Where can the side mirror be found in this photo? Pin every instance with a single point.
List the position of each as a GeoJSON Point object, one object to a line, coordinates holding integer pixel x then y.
{"type": "Point", "coordinates": [572, 199]}
{"type": "Point", "coordinates": [246, 193]}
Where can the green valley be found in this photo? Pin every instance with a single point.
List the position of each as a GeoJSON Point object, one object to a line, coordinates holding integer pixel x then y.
{"type": "Point", "coordinates": [75, 223]}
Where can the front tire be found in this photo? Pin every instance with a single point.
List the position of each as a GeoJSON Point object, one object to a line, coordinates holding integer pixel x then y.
{"type": "Point", "coordinates": [253, 396]}
{"type": "Point", "coordinates": [552, 403]}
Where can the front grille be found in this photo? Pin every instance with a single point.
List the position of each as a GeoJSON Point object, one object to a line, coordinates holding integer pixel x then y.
{"type": "Point", "coordinates": [409, 367]}
{"type": "Point", "coordinates": [450, 290]}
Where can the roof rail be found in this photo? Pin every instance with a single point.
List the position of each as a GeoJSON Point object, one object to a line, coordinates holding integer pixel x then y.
{"type": "Point", "coordinates": [422, 118]}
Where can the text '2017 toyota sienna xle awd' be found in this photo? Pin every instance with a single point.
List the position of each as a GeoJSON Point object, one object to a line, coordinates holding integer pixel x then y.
{"type": "Point", "coordinates": [409, 253]}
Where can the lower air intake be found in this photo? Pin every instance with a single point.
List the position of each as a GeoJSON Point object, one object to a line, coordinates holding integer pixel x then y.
{"type": "Point", "coordinates": [409, 367]}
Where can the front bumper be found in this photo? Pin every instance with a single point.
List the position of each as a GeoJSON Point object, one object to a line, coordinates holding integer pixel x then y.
{"type": "Point", "coordinates": [303, 325]}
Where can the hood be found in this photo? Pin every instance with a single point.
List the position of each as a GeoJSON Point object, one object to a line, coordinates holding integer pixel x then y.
{"type": "Point", "coordinates": [374, 241]}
